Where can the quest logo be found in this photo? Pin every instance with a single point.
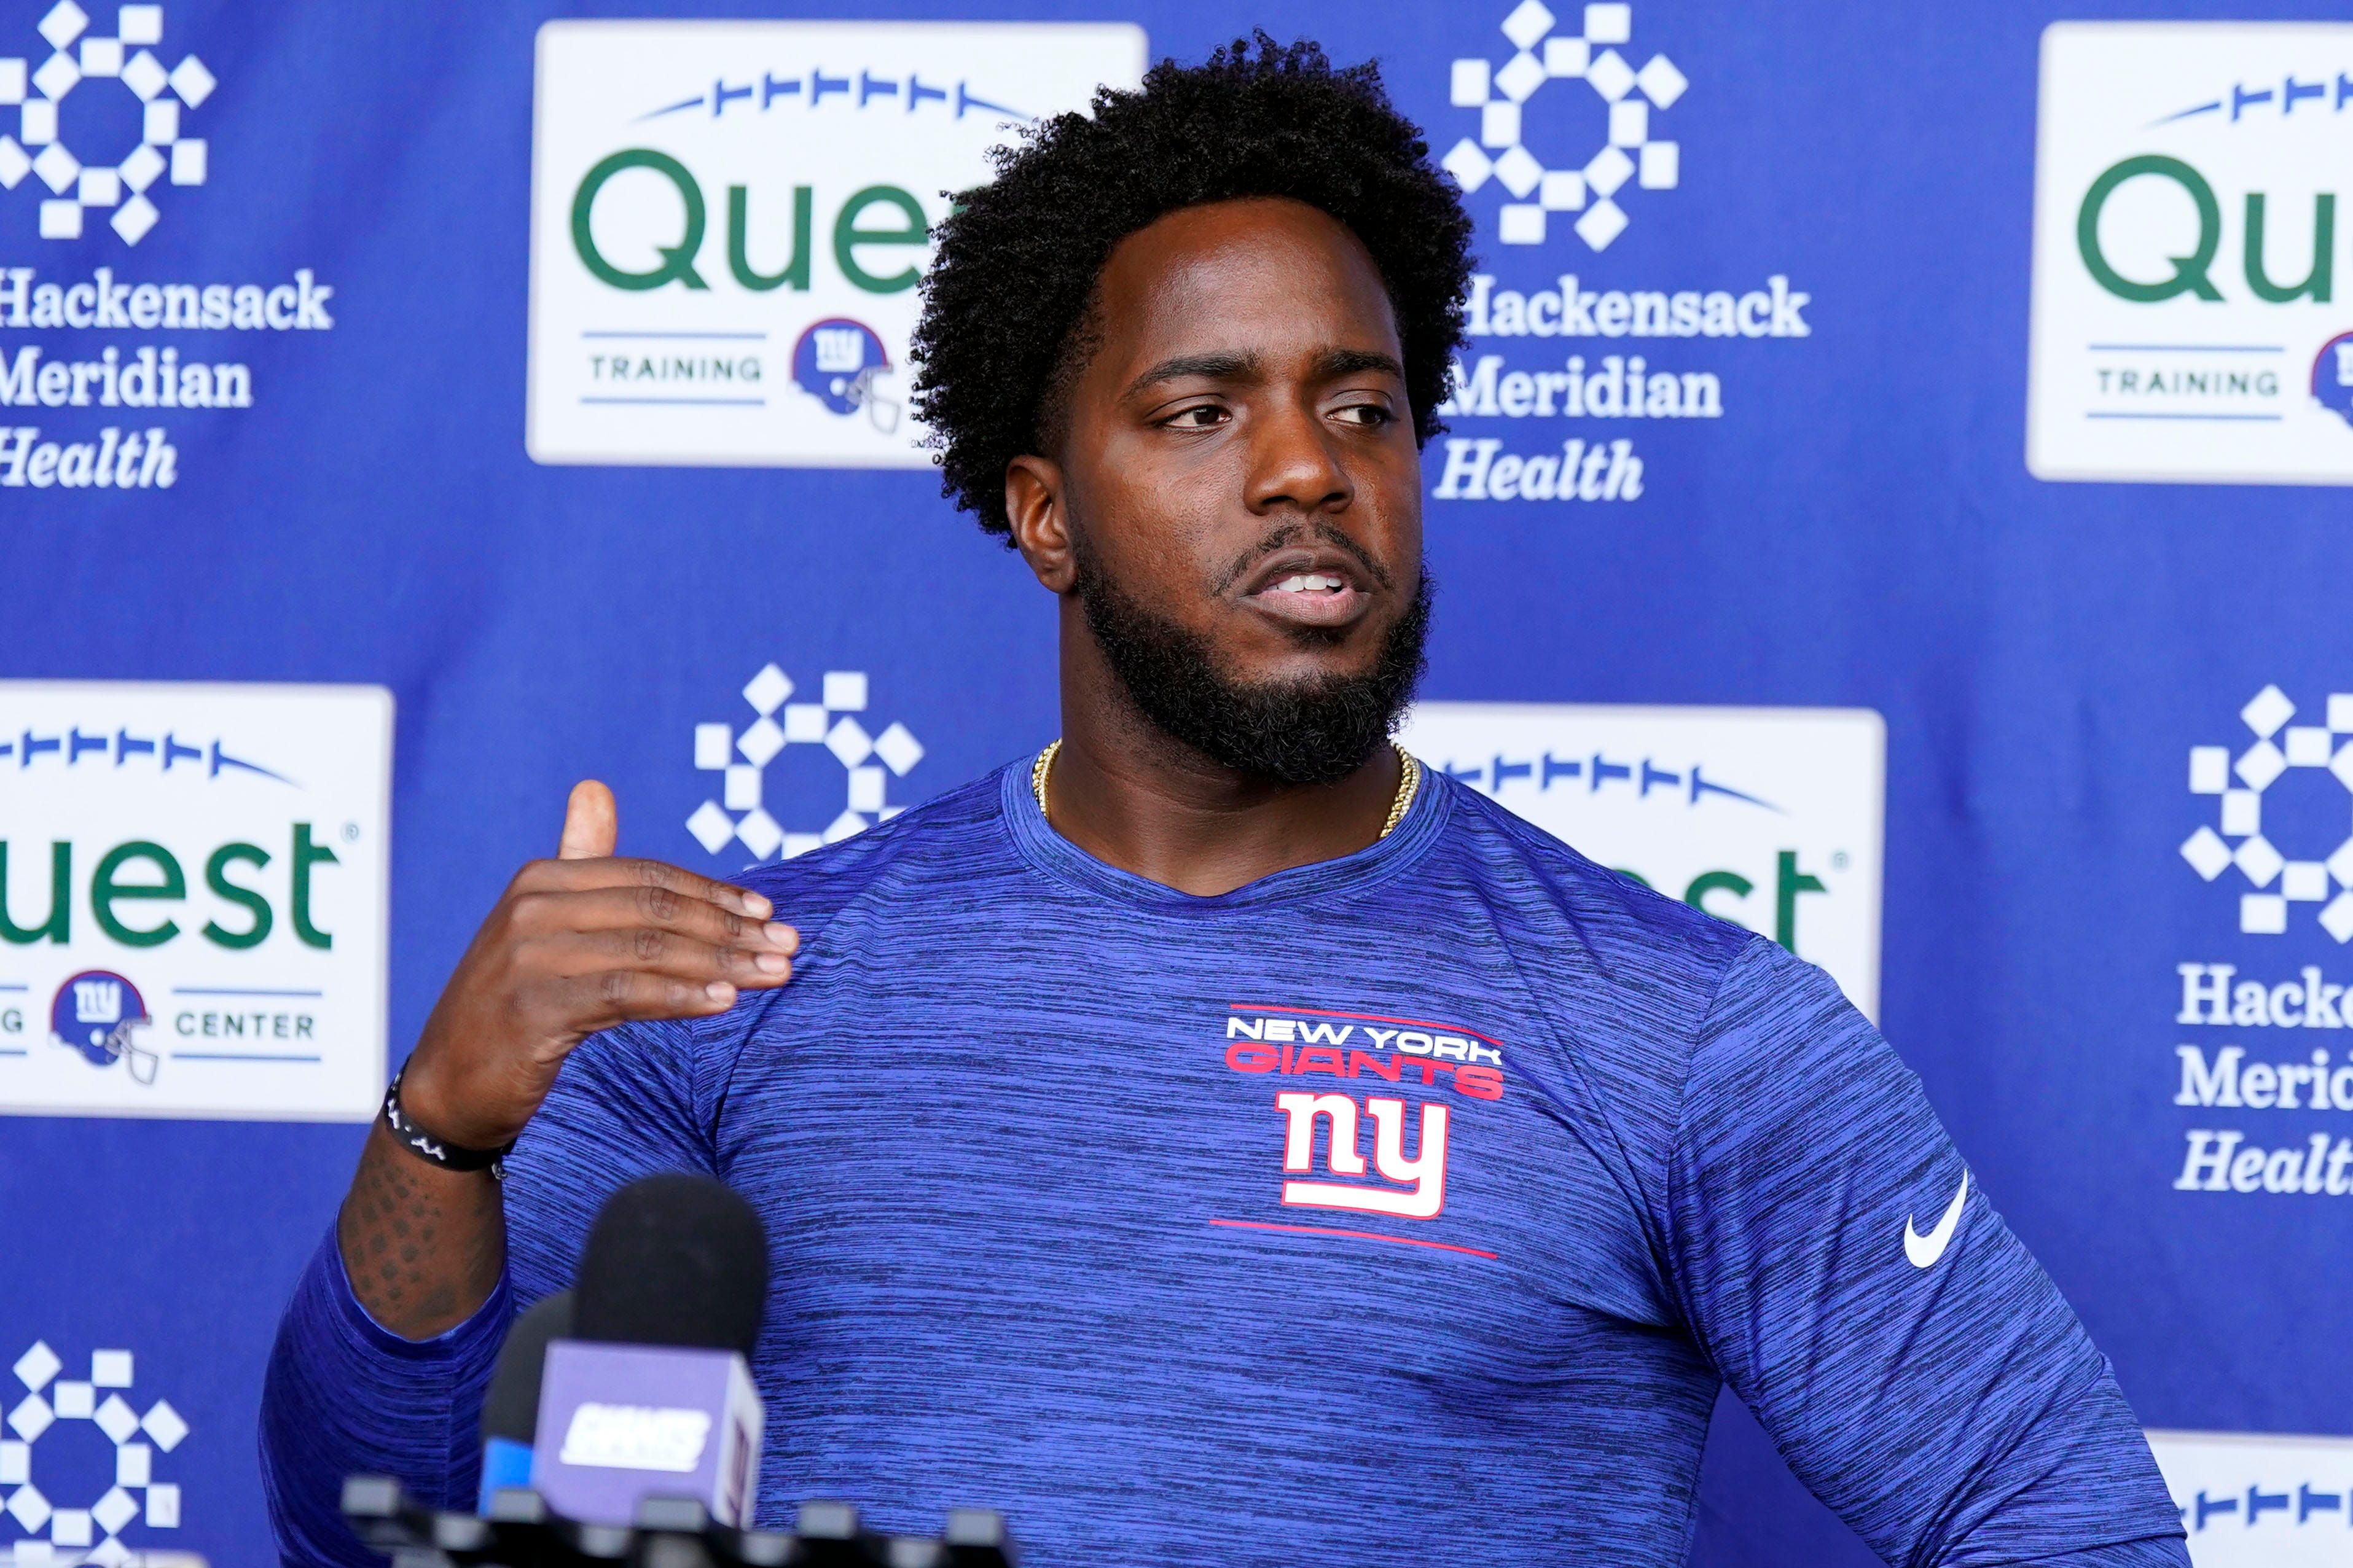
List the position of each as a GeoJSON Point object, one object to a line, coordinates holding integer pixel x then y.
{"type": "Point", "coordinates": [2188, 324]}
{"type": "Point", "coordinates": [729, 219]}
{"type": "Point", "coordinates": [192, 899]}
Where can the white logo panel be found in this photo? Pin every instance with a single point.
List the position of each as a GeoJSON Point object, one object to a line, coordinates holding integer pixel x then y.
{"type": "Point", "coordinates": [2252, 1500]}
{"type": "Point", "coordinates": [193, 900]}
{"type": "Point", "coordinates": [1769, 817]}
{"type": "Point", "coordinates": [2190, 318]}
{"type": "Point", "coordinates": [728, 220]}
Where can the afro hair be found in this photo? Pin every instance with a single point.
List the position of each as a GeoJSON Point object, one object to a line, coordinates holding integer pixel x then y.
{"type": "Point", "coordinates": [1003, 334]}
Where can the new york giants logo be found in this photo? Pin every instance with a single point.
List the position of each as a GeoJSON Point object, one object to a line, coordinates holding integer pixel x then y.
{"type": "Point", "coordinates": [1420, 1192]}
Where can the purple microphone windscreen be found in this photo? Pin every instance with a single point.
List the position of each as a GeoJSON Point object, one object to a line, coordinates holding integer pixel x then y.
{"type": "Point", "coordinates": [673, 1259]}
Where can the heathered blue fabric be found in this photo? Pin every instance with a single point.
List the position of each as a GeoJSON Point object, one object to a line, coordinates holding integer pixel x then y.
{"type": "Point", "coordinates": [994, 1123]}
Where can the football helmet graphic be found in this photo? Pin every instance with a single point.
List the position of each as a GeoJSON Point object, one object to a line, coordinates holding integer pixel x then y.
{"type": "Point", "coordinates": [836, 361]}
{"type": "Point", "coordinates": [95, 1012]}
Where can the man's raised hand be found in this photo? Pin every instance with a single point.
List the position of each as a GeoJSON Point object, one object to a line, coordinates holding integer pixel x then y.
{"type": "Point", "coordinates": [576, 945]}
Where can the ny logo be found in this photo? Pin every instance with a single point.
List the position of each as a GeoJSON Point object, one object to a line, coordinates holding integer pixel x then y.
{"type": "Point", "coordinates": [1423, 1176]}
{"type": "Point", "coordinates": [98, 1001]}
{"type": "Point", "coordinates": [839, 348]}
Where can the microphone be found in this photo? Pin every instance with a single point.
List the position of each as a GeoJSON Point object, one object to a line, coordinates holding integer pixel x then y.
{"type": "Point", "coordinates": [674, 1259]}
{"type": "Point", "coordinates": [511, 1407]}
{"type": "Point", "coordinates": [651, 1393]}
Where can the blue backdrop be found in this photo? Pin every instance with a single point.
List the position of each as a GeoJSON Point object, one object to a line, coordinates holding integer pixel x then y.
{"type": "Point", "coordinates": [1857, 528]}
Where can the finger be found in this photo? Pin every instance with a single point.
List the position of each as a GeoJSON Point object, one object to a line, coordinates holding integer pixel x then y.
{"type": "Point", "coordinates": [655, 953]}
{"type": "Point", "coordinates": [647, 906]}
{"type": "Point", "coordinates": [592, 823]}
{"type": "Point", "coordinates": [602, 999]}
{"type": "Point", "coordinates": [565, 875]}
{"type": "Point", "coordinates": [662, 874]}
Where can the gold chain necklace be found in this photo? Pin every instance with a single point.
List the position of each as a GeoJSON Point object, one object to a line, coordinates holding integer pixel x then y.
{"type": "Point", "coordinates": [1408, 782]}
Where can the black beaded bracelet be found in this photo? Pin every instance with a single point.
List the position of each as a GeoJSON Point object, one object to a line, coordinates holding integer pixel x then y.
{"type": "Point", "coordinates": [435, 1150]}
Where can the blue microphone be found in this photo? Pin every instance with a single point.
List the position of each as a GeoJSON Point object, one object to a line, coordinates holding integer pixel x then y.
{"type": "Point", "coordinates": [510, 1407]}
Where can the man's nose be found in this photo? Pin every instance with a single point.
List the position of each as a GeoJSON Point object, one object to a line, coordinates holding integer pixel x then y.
{"type": "Point", "coordinates": [1294, 463]}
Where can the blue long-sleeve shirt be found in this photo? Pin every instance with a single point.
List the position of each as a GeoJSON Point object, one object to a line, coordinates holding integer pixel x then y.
{"type": "Point", "coordinates": [1408, 1206]}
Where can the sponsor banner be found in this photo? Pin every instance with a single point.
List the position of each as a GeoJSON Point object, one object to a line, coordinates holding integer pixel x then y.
{"type": "Point", "coordinates": [2252, 1500]}
{"type": "Point", "coordinates": [63, 1507]}
{"type": "Point", "coordinates": [1769, 817]}
{"type": "Point", "coordinates": [2188, 317]}
{"type": "Point", "coordinates": [796, 767]}
{"type": "Point", "coordinates": [193, 900]}
{"type": "Point", "coordinates": [123, 362]}
{"type": "Point", "coordinates": [1563, 139]}
{"type": "Point", "coordinates": [2276, 830]}
{"type": "Point", "coordinates": [728, 220]}
{"type": "Point", "coordinates": [2265, 1112]}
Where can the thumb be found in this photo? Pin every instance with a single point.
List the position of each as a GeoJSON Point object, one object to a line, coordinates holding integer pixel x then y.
{"type": "Point", "coordinates": [591, 822]}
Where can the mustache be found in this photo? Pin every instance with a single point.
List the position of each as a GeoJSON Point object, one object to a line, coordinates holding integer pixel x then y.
{"type": "Point", "coordinates": [1294, 531]}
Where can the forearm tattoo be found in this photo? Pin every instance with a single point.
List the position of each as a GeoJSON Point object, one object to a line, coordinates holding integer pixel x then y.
{"type": "Point", "coordinates": [423, 1246]}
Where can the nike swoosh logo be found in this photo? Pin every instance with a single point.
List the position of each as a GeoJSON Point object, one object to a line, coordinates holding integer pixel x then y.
{"type": "Point", "coordinates": [1924, 1250]}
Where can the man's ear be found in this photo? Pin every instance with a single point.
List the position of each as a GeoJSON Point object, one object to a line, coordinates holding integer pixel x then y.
{"type": "Point", "coordinates": [1036, 505]}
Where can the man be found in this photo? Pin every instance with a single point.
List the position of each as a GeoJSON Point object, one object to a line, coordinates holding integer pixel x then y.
{"type": "Point", "coordinates": [1215, 1138]}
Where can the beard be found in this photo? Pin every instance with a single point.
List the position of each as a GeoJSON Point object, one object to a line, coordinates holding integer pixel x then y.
{"type": "Point", "coordinates": [1315, 731]}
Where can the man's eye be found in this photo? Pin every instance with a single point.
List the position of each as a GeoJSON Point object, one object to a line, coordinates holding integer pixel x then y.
{"type": "Point", "coordinates": [1366, 413]}
{"type": "Point", "coordinates": [1198, 418]}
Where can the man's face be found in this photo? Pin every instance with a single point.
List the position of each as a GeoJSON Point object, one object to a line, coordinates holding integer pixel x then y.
{"type": "Point", "coordinates": [1243, 488]}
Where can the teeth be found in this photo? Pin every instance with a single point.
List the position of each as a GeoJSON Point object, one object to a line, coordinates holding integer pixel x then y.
{"type": "Point", "coordinates": [1309, 581]}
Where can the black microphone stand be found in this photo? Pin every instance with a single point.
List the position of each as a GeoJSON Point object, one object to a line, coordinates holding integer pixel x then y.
{"type": "Point", "coordinates": [669, 1532]}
